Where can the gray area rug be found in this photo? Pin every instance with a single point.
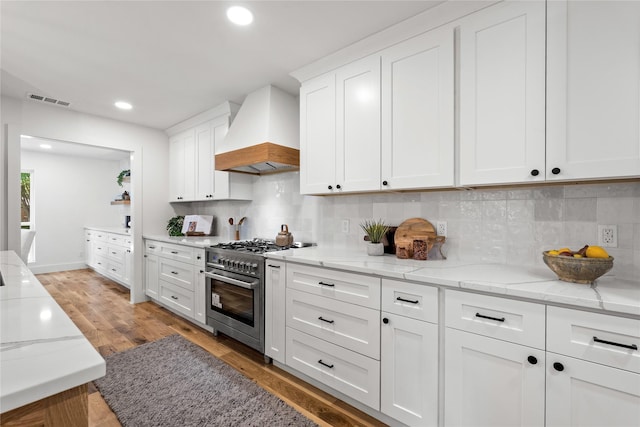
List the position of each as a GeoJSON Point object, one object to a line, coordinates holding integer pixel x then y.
{"type": "Point", "coordinates": [173, 382]}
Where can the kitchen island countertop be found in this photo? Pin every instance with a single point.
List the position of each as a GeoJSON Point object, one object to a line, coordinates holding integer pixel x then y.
{"type": "Point", "coordinates": [537, 283]}
{"type": "Point", "coordinates": [42, 352]}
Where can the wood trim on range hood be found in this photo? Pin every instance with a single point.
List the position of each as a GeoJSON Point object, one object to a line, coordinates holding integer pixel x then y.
{"type": "Point", "coordinates": [259, 159]}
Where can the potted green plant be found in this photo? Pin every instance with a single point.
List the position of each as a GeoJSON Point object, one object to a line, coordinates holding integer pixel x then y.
{"type": "Point", "coordinates": [121, 175]}
{"type": "Point", "coordinates": [174, 226]}
{"type": "Point", "coordinates": [375, 231]}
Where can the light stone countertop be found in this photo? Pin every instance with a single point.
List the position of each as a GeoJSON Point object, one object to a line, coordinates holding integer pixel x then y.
{"type": "Point", "coordinates": [193, 241]}
{"type": "Point", "coordinates": [116, 230]}
{"type": "Point", "coordinates": [42, 352]}
{"type": "Point", "coordinates": [537, 283]}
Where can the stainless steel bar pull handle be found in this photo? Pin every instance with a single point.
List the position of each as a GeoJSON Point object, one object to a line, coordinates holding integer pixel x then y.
{"type": "Point", "coordinates": [629, 346]}
{"type": "Point", "coordinates": [231, 281]}
{"type": "Point", "coordinates": [325, 320]}
{"type": "Point", "coordinates": [497, 319]}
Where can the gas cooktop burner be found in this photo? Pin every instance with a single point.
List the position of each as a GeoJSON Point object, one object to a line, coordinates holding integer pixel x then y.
{"type": "Point", "coordinates": [256, 246]}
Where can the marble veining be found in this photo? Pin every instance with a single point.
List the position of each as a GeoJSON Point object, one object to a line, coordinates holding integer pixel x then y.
{"type": "Point", "coordinates": [42, 352]}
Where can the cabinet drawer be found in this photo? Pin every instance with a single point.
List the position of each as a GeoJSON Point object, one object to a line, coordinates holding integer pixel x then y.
{"type": "Point", "coordinates": [116, 239]}
{"type": "Point", "coordinates": [116, 253]}
{"type": "Point", "coordinates": [600, 338]}
{"type": "Point", "coordinates": [100, 263]}
{"type": "Point", "coordinates": [410, 300]}
{"type": "Point", "coordinates": [115, 270]}
{"type": "Point", "coordinates": [354, 327]}
{"type": "Point", "coordinates": [506, 319]}
{"type": "Point", "coordinates": [351, 373]}
{"type": "Point", "coordinates": [101, 249]}
{"type": "Point", "coordinates": [99, 235]}
{"type": "Point", "coordinates": [177, 273]}
{"type": "Point", "coordinates": [152, 247]}
{"type": "Point", "coordinates": [178, 253]}
{"type": "Point", "coordinates": [177, 298]}
{"type": "Point", "coordinates": [347, 287]}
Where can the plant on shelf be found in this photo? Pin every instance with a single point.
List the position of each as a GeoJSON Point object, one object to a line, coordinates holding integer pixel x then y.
{"type": "Point", "coordinates": [174, 226]}
{"type": "Point", "coordinates": [375, 230]}
{"type": "Point", "coordinates": [122, 174]}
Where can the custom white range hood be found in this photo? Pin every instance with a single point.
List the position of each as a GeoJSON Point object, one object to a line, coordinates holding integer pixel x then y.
{"type": "Point", "coordinates": [265, 135]}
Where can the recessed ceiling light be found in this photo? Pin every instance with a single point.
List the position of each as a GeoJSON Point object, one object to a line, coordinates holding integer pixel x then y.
{"type": "Point", "coordinates": [45, 146]}
{"type": "Point", "coordinates": [123, 105]}
{"type": "Point", "coordinates": [240, 15]}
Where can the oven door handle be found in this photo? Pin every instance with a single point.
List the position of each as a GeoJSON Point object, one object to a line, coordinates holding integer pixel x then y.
{"type": "Point", "coordinates": [231, 281]}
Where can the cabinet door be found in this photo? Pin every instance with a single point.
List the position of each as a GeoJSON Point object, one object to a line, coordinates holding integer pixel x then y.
{"type": "Point", "coordinates": [128, 267]}
{"type": "Point", "coordinates": [151, 276]}
{"type": "Point", "coordinates": [409, 370]}
{"type": "Point", "coordinates": [502, 94]}
{"type": "Point", "coordinates": [358, 126]}
{"type": "Point", "coordinates": [489, 382]}
{"type": "Point", "coordinates": [590, 394]}
{"type": "Point", "coordinates": [275, 315]}
{"type": "Point", "coordinates": [417, 112]}
{"type": "Point", "coordinates": [593, 89]}
{"type": "Point", "coordinates": [318, 135]}
{"type": "Point", "coordinates": [182, 167]}
{"type": "Point", "coordinates": [200, 296]}
{"type": "Point", "coordinates": [88, 249]}
{"type": "Point", "coordinates": [204, 158]}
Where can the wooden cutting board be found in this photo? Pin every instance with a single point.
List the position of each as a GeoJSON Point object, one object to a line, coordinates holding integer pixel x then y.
{"type": "Point", "coordinates": [414, 229]}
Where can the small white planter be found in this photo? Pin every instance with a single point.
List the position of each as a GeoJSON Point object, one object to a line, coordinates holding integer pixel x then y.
{"type": "Point", "coordinates": [375, 249]}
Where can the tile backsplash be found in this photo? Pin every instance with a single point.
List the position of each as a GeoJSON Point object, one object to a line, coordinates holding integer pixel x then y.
{"type": "Point", "coordinates": [507, 225]}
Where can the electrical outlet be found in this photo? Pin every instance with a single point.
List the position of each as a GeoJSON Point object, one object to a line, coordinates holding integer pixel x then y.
{"type": "Point", "coordinates": [608, 236]}
{"type": "Point", "coordinates": [345, 225]}
{"type": "Point", "coordinates": [441, 228]}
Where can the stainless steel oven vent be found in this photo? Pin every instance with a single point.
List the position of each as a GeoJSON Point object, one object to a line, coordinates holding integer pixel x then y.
{"type": "Point", "coordinates": [47, 99]}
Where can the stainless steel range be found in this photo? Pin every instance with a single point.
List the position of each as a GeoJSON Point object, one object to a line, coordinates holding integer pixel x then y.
{"type": "Point", "coordinates": [235, 289]}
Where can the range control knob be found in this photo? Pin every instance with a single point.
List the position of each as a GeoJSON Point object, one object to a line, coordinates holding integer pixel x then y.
{"type": "Point", "coordinates": [242, 266]}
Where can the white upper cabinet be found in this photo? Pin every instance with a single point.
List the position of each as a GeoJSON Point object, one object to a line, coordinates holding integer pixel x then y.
{"type": "Point", "coordinates": [192, 166]}
{"type": "Point", "coordinates": [204, 152]}
{"type": "Point", "coordinates": [340, 130]}
{"type": "Point", "coordinates": [358, 126]}
{"type": "Point", "coordinates": [318, 135]}
{"type": "Point", "coordinates": [593, 89]}
{"type": "Point", "coordinates": [418, 112]}
{"type": "Point", "coordinates": [502, 94]}
{"type": "Point", "coordinates": [181, 167]}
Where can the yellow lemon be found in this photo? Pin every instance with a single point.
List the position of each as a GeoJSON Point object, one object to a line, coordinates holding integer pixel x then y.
{"type": "Point", "coordinates": [577, 256]}
{"type": "Point", "coordinates": [564, 250]}
{"type": "Point", "coordinates": [596, 252]}
{"type": "Point", "coordinates": [553, 253]}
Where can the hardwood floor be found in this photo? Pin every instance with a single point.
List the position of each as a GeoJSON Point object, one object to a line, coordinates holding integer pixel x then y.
{"type": "Point", "coordinates": [101, 310]}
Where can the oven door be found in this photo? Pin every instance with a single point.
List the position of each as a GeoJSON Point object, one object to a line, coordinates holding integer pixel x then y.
{"type": "Point", "coordinates": [234, 300]}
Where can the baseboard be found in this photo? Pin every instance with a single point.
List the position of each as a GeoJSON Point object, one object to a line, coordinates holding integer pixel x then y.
{"type": "Point", "coordinates": [54, 268]}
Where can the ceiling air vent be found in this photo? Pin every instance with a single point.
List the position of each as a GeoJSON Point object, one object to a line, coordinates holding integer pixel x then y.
{"type": "Point", "coordinates": [47, 99]}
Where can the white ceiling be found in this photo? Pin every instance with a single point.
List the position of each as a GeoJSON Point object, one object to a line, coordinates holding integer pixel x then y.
{"type": "Point", "coordinates": [63, 148]}
{"type": "Point", "coordinates": [173, 59]}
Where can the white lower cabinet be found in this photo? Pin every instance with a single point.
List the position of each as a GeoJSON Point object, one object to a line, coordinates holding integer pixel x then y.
{"type": "Point", "coordinates": [489, 382]}
{"type": "Point", "coordinates": [409, 370]}
{"type": "Point", "coordinates": [275, 311]}
{"type": "Point", "coordinates": [110, 254]}
{"type": "Point", "coordinates": [581, 393]}
{"type": "Point", "coordinates": [151, 284]}
{"type": "Point", "coordinates": [593, 369]}
{"type": "Point", "coordinates": [174, 277]}
{"type": "Point", "coordinates": [349, 372]}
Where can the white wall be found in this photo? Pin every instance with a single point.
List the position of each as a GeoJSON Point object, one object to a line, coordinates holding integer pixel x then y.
{"type": "Point", "coordinates": [68, 193]}
{"type": "Point", "coordinates": [149, 164]}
